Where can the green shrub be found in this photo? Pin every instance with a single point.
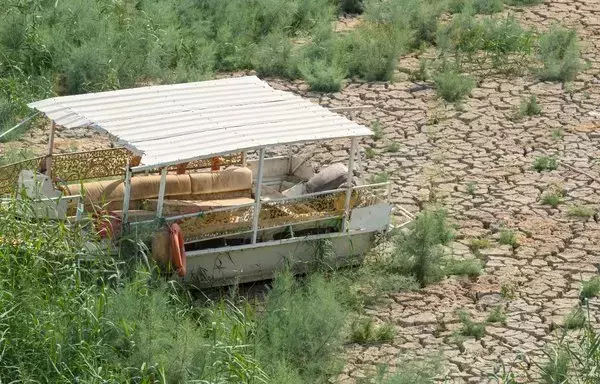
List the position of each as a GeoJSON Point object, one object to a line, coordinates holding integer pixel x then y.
{"type": "Point", "coordinates": [377, 130]}
{"type": "Point", "coordinates": [590, 288]}
{"type": "Point", "coordinates": [545, 163]}
{"type": "Point", "coordinates": [558, 133]}
{"type": "Point", "coordinates": [583, 211]}
{"type": "Point", "coordinates": [508, 237]}
{"type": "Point", "coordinates": [452, 86]}
{"type": "Point", "coordinates": [418, 252]}
{"type": "Point", "coordinates": [471, 187]}
{"type": "Point", "coordinates": [393, 147]}
{"type": "Point", "coordinates": [371, 52]}
{"type": "Point", "coordinates": [380, 177]}
{"type": "Point", "coordinates": [556, 370]}
{"type": "Point", "coordinates": [370, 153]}
{"type": "Point", "coordinates": [422, 74]}
{"type": "Point", "coordinates": [364, 330]}
{"type": "Point", "coordinates": [274, 57]}
{"type": "Point", "coordinates": [559, 52]}
{"type": "Point", "coordinates": [530, 107]}
{"type": "Point", "coordinates": [468, 267]}
{"type": "Point", "coordinates": [408, 372]}
{"type": "Point", "coordinates": [575, 319]}
{"type": "Point", "coordinates": [479, 243]}
{"type": "Point", "coordinates": [470, 328]}
{"type": "Point", "coordinates": [552, 198]}
{"type": "Point", "coordinates": [523, 2]}
{"type": "Point", "coordinates": [487, 7]}
{"type": "Point", "coordinates": [497, 315]}
{"type": "Point", "coordinates": [302, 325]}
{"type": "Point", "coordinates": [323, 76]}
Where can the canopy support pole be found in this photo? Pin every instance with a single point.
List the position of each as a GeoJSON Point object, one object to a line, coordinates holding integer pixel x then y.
{"type": "Point", "coordinates": [259, 179]}
{"type": "Point", "coordinates": [244, 156]}
{"type": "Point", "coordinates": [50, 150]}
{"type": "Point", "coordinates": [353, 148]}
{"type": "Point", "coordinates": [127, 197]}
{"type": "Point", "coordinates": [161, 192]}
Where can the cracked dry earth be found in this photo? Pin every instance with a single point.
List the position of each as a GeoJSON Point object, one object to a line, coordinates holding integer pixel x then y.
{"type": "Point", "coordinates": [477, 161]}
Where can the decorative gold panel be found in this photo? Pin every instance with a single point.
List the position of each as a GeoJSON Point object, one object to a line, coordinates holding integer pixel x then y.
{"type": "Point", "coordinates": [276, 213]}
{"type": "Point", "coordinates": [235, 159]}
{"type": "Point", "coordinates": [90, 165]}
{"type": "Point", "coordinates": [213, 224]}
{"type": "Point", "coordinates": [9, 174]}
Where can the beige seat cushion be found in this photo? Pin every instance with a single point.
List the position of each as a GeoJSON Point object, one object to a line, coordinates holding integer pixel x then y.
{"type": "Point", "coordinates": [228, 180]}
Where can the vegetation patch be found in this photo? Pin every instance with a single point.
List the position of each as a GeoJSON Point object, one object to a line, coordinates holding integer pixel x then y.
{"type": "Point", "coordinates": [529, 107]}
{"type": "Point", "coordinates": [497, 315]}
{"type": "Point", "coordinates": [364, 331]}
{"type": "Point", "coordinates": [469, 327]}
{"type": "Point", "coordinates": [467, 267]}
{"type": "Point", "coordinates": [552, 198]}
{"type": "Point", "coordinates": [575, 319]}
{"type": "Point", "coordinates": [545, 163]}
{"type": "Point", "coordinates": [453, 86]}
{"type": "Point", "coordinates": [590, 288]}
{"type": "Point", "coordinates": [560, 54]}
{"type": "Point", "coordinates": [583, 211]}
{"type": "Point", "coordinates": [508, 237]}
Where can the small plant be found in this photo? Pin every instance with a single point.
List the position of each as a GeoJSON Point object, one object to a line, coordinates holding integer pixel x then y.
{"type": "Point", "coordinates": [323, 76]}
{"type": "Point", "coordinates": [422, 74]}
{"type": "Point", "coordinates": [508, 237]}
{"type": "Point", "coordinates": [590, 288]}
{"type": "Point", "coordinates": [364, 330]}
{"type": "Point", "coordinates": [468, 267]}
{"type": "Point", "coordinates": [508, 290]}
{"type": "Point", "coordinates": [471, 187]}
{"type": "Point", "coordinates": [452, 86]}
{"type": "Point", "coordinates": [559, 52]}
{"type": "Point", "coordinates": [470, 328]}
{"type": "Point", "coordinates": [369, 153]}
{"type": "Point", "coordinates": [558, 133]}
{"type": "Point", "coordinates": [530, 107]}
{"type": "Point", "coordinates": [393, 147]}
{"type": "Point", "coordinates": [377, 130]}
{"type": "Point", "coordinates": [479, 243]}
{"type": "Point", "coordinates": [380, 177]}
{"type": "Point", "coordinates": [497, 315]}
{"type": "Point", "coordinates": [552, 198]}
{"type": "Point", "coordinates": [487, 7]}
{"type": "Point", "coordinates": [582, 211]}
{"type": "Point", "coordinates": [556, 370]}
{"type": "Point", "coordinates": [575, 319]}
{"type": "Point", "coordinates": [545, 163]}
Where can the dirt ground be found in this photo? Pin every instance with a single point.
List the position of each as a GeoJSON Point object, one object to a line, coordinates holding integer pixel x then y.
{"type": "Point", "coordinates": [477, 162]}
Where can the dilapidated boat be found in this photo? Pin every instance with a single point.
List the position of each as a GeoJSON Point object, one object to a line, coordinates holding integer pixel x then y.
{"type": "Point", "coordinates": [194, 155]}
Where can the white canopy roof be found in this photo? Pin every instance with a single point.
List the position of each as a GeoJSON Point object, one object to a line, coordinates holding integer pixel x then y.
{"type": "Point", "coordinates": [170, 124]}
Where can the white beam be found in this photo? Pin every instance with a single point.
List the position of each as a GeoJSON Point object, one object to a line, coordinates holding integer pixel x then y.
{"type": "Point", "coordinates": [127, 196]}
{"type": "Point", "coordinates": [259, 179]}
{"type": "Point", "coordinates": [161, 192]}
{"type": "Point", "coordinates": [353, 148]}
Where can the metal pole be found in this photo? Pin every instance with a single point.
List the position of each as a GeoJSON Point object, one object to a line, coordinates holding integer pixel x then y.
{"type": "Point", "coordinates": [261, 162]}
{"type": "Point", "coordinates": [50, 150]}
{"type": "Point", "coordinates": [161, 192]}
{"type": "Point", "coordinates": [353, 147]}
{"type": "Point", "coordinates": [244, 156]}
{"type": "Point", "coordinates": [127, 196]}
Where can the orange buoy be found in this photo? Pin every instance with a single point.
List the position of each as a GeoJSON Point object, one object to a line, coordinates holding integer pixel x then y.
{"type": "Point", "coordinates": [178, 257]}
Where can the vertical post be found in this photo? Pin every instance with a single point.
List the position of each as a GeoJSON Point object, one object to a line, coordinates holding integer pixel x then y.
{"type": "Point", "coordinates": [353, 147]}
{"type": "Point", "coordinates": [127, 194]}
{"type": "Point", "coordinates": [50, 150]}
{"type": "Point", "coordinates": [261, 162]}
{"type": "Point", "coordinates": [161, 192]}
{"type": "Point", "coordinates": [244, 156]}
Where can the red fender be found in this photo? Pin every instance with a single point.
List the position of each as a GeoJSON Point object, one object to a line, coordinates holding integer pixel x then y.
{"type": "Point", "coordinates": [178, 257]}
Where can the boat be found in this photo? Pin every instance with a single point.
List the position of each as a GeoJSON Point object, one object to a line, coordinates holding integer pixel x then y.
{"type": "Point", "coordinates": [190, 173]}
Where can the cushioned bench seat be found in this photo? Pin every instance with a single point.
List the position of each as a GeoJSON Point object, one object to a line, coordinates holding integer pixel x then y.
{"type": "Point", "coordinates": [181, 207]}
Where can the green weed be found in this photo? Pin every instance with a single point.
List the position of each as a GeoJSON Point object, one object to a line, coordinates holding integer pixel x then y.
{"type": "Point", "coordinates": [545, 163]}
{"type": "Point", "coordinates": [558, 133]}
{"type": "Point", "coordinates": [508, 237]}
{"type": "Point", "coordinates": [452, 86]}
{"type": "Point", "coordinates": [364, 330]}
{"type": "Point", "coordinates": [487, 7]}
{"type": "Point", "coordinates": [560, 54]}
{"type": "Point", "coordinates": [380, 177]}
{"type": "Point", "coordinates": [470, 328]}
{"type": "Point", "coordinates": [471, 187]}
{"type": "Point", "coordinates": [574, 319]}
{"type": "Point", "coordinates": [590, 288]}
{"type": "Point", "coordinates": [582, 211]}
{"type": "Point", "coordinates": [530, 107]}
{"type": "Point", "coordinates": [497, 315]}
{"type": "Point", "coordinates": [552, 198]}
{"type": "Point", "coordinates": [479, 243]}
{"type": "Point", "coordinates": [377, 130]}
{"type": "Point", "coordinates": [370, 153]}
{"type": "Point", "coordinates": [393, 147]}
{"type": "Point", "coordinates": [556, 370]}
{"type": "Point", "coordinates": [468, 267]}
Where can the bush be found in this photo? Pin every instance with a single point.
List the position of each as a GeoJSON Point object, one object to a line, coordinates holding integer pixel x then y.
{"type": "Point", "coordinates": [545, 163]}
{"type": "Point", "coordinates": [508, 237]}
{"type": "Point", "coordinates": [590, 288]}
{"type": "Point", "coordinates": [364, 330]}
{"type": "Point", "coordinates": [418, 252]}
{"type": "Point", "coordinates": [496, 315]}
{"type": "Point", "coordinates": [371, 52]}
{"type": "Point", "coordinates": [582, 211]}
{"type": "Point", "coordinates": [380, 177]}
{"type": "Point", "coordinates": [469, 327]}
{"type": "Point", "coordinates": [559, 52]}
{"type": "Point", "coordinates": [323, 76]}
{"type": "Point", "coordinates": [530, 107]}
{"type": "Point", "coordinates": [351, 6]}
{"type": "Point", "coordinates": [575, 319]}
{"type": "Point", "coordinates": [302, 325]}
{"type": "Point", "coordinates": [469, 267]}
{"type": "Point", "coordinates": [556, 370]}
{"type": "Point", "coordinates": [274, 57]}
{"type": "Point", "coordinates": [452, 86]}
{"type": "Point", "coordinates": [487, 7]}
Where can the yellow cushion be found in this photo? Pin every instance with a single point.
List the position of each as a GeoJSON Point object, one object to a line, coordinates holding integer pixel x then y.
{"type": "Point", "coordinates": [228, 180]}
